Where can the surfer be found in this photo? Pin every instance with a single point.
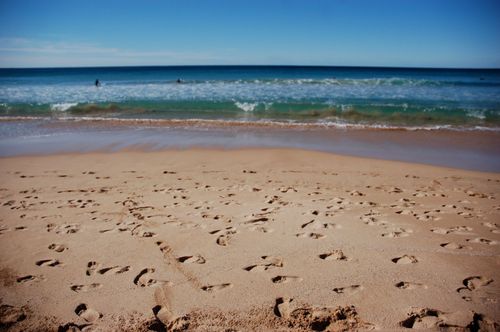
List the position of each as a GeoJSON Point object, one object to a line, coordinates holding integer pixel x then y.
{"type": "Point", "coordinates": [179, 81]}
{"type": "Point", "coordinates": [97, 83]}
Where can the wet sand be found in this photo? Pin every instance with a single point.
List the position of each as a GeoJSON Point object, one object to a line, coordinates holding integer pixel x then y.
{"type": "Point", "coordinates": [247, 239]}
{"type": "Point", "coordinates": [466, 149]}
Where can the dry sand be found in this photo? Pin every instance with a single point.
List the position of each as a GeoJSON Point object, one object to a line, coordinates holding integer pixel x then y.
{"type": "Point", "coordinates": [255, 239]}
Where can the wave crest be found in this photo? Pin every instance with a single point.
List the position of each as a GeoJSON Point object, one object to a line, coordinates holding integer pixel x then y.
{"type": "Point", "coordinates": [247, 107]}
{"type": "Point", "coordinates": [61, 107]}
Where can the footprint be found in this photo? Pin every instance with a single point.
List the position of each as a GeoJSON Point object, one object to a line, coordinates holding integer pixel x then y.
{"type": "Point", "coordinates": [313, 224]}
{"type": "Point", "coordinates": [394, 190]}
{"type": "Point", "coordinates": [349, 290]}
{"type": "Point", "coordinates": [275, 260]}
{"type": "Point", "coordinates": [223, 240]}
{"type": "Point", "coordinates": [367, 203]}
{"type": "Point", "coordinates": [330, 225]}
{"type": "Point", "coordinates": [394, 235]}
{"type": "Point", "coordinates": [410, 285]}
{"type": "Point", "coordinates": [3, 229]}
{"type": "Point", "coordinates": [428, 216]}
{"type": "Point", "coordinates": [321, 318]}
{"type": "Point", "coordinates": [198, 259]}
{"type": "Point", "coordinates": [144, 279]}
{"type": "Point", "coordinates": [372, 221]}
{"type": "Point", "coordinates": [315, 236]}
{"type": "Point", "coordinates": [92, 267]}
{"type": "Point", "coordinates": [214, 288]}
{"type": "Point", "coordinates": [282, 307]}
{"type": "Point", "coordinates": [257, 221]}
{"type": "Point", "coordinates": [337, 255]}
{"type": "Point", "coordinates": [170, 321]}
{"type": "Point", "coordinates": [405, 212]}
{"type": "Point", "coordinates": [114, 269]}
{"type": "Point", "coordinates": [164, 313]}
{"type": "Point", "coordinates": [85, 288]}
{"type": "Point", "coordinates": [29, 278]}
{"type": "Point", "coordinates": [88, 314]}
{"type": "Point", "coordinates": [285, 279]}
{"type": "Point", "coordinates": [271, 262]}
{"type": "Point", "coordinates": [257, 268]}
{"type": "Point", "coordinates": [453, 245]}
{"type": "Point", "coordinates": [425, 319]}
{"type": "Point", "coordinates": [472, 193]}
{"type": "Point", "coordinates": [405, 259]}
{"type": "Point", "coordinates": [432, 319]}
{"type": "Point", "coordinates": [475, 282]}
{"type": "Point", "coordinates": [482, 241]}
{"type": "Point", "coordinates": [164, 248]}
{"type": "Point", "coordinates": [143, 233]}
{"type": "Point", "coordinates": [458, 230]}
{"type": "Point", "coordinates": [490, 225]}
{"type": "Point", "coordinates": [64, 228]}
{"type": "Point", "coordinates": [287, 189]}
{"type": "Point", "coordinates": [401, 232]}
{"type": "Point", "coordinates": [57, 247]}
{"type": "Point", "coordinates": [48, 262]}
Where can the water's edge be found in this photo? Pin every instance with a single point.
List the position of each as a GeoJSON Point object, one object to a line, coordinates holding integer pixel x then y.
{"type": "Point", "coordinates": [470, 150]}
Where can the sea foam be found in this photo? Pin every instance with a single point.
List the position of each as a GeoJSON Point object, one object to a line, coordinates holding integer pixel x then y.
{"type": "Point", "coordinates": [61, 107]}
{"type": "Point", "coordinates": [247, 107]}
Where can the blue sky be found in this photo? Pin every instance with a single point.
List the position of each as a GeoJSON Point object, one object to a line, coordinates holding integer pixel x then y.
{"type": "Point", "coordinates": [421, 33]}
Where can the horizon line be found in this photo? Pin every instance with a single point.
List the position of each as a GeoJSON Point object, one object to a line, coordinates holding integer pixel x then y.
{"type": "Point", "coordinates": [255, 65]}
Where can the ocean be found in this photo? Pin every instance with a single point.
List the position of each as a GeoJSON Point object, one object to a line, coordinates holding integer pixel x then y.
{"type": "Point", "coordinates": [272, 95]}
{"type": "Point", "coordinates": [447, 117]}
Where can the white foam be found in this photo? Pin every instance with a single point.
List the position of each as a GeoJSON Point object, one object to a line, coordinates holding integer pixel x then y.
{"type": "Point", "coordinates": [476, 114]}
{"type": "Point", "coordinates": [61, 107]}
{"type": "Point", "coordinates": [200, 123]}
{"type": "Point", "coordinates": [250, 92]}
{"type": "Point", "coordinates": [247, 107]}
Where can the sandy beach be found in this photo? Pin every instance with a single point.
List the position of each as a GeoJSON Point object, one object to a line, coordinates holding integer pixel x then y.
{"type": "Point", "coordinates": [245, 240]}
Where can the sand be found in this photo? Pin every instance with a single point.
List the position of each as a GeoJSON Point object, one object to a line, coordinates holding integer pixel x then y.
{"type": "Point", "coordinates": [252, 239]}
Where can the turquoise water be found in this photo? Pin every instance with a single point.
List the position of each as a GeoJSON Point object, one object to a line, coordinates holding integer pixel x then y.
{"type": "Point", "coordinates": [327, 96]}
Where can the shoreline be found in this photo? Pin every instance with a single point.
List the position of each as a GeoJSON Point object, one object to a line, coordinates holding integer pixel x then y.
{"type": "Point", "coordinates": [473, 150]}
{"type": "Point", "coordinates": [276, 239]}
{"type": "Point", "coordinates": [336, 124]}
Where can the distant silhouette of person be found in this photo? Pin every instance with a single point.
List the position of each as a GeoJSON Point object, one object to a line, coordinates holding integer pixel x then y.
{"type": "Point", "coordinates": [97, 83]}
{"type": "Point", "coordinates": [179, 81]}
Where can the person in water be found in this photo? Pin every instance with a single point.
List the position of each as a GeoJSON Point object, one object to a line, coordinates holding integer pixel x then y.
{"type": "Point", "coordinates": [97, 83]}
{"type": "Point", "coordinates": [179, 81]}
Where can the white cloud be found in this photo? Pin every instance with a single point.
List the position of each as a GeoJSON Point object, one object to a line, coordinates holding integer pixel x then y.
{"type": "Point", "coordinates": [21, 52]}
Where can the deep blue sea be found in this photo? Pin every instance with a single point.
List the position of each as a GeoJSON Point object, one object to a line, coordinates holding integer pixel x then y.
{"type": "Point", "coordinates": [291, 95]}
